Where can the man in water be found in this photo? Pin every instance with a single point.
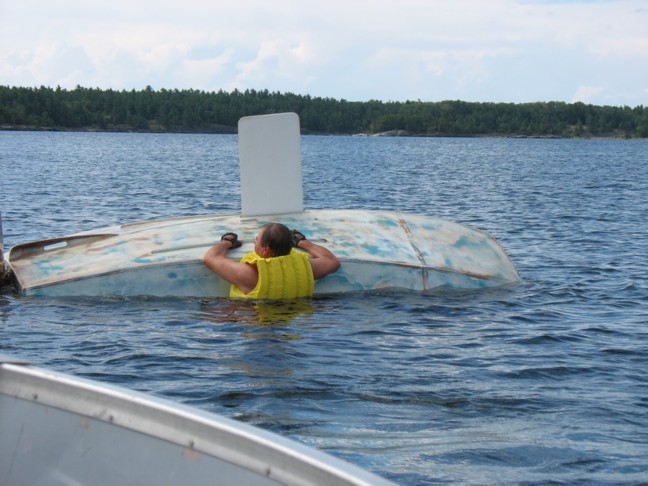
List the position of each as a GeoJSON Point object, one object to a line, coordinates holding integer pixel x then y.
{"type": "Point", "coordinates": [275, 269]}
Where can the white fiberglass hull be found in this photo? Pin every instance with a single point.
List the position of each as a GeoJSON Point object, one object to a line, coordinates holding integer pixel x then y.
{"type": "Point", "coordinates": [378, 250]}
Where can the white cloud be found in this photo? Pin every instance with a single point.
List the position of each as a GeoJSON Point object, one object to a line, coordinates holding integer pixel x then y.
{"type": "Point", "coordinates": [622, 47]}
{"type": "Point", "coordinates": [500, 50]}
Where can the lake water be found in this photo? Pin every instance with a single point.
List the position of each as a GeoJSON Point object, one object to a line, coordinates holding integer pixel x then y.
{"type": "Point", "coordinates": [543, 383]}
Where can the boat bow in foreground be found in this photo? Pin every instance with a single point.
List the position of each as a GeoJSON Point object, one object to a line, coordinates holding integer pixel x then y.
{"type": "Point", "coordinates": [58, 429]}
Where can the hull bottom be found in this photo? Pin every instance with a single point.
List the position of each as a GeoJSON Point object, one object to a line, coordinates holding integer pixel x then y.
{"type": "Point", "coordinates": [378, 250]}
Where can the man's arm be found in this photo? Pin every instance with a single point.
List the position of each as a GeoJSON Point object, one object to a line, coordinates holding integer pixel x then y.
{"type": "Point", "coordinates": [244, 276]}
{"type": "Point", "coordinates": [323, 261]}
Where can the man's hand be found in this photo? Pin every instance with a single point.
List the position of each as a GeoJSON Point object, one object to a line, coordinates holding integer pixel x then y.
{"type": "Point", "coordinates": [233, 239]}
{"type": "Point", "coordinates": [297, 236]}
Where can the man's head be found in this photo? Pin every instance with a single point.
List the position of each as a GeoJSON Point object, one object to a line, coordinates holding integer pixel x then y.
{"type": "Point", "coordinates": [273, 240]}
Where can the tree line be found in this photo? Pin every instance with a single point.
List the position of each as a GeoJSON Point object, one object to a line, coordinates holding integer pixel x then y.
{"type": "Point", "coordinates": [47, 108]}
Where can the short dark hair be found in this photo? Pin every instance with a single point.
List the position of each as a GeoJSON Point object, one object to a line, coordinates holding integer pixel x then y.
{"type": "Point", "coordinates": [278, 238]}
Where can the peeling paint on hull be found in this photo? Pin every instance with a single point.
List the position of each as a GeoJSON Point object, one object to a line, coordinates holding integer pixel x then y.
{"type": "Point", "coordinates": [378, 250]}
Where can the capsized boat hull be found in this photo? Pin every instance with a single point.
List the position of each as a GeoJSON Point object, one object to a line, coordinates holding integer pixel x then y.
{"type": "Point", "coordinates": [378, 250]}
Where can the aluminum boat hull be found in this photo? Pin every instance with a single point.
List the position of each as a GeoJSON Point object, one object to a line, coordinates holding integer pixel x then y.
{"type": "Point", "coordinates": [59, 429]}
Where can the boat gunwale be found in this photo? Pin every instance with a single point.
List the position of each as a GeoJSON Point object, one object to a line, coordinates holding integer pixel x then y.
{"type": "Point", "coordinates": [262, 452]}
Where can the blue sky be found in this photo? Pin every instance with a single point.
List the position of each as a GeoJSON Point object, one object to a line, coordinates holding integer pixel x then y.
{"type": "Point", "coordinates": [472, 50]}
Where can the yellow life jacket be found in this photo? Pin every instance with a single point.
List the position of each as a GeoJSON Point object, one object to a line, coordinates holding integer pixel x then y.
{"type": "Point", "coordinates": [284, 277]}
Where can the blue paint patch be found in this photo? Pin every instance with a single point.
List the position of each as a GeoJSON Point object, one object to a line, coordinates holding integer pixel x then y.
{"type": "Point", "coordinates": [148, 260]}
{"type": "Point", "coordinates": [46, 267]}
{"type": "Point", "coordinates": [466, 242]}
{"type": "Point", "coordinates": [431, 227]}
{"type": "Point", "coordinates": [389, 223]}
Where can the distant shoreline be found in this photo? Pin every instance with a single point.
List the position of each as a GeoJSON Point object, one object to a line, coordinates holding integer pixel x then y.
{"type": "Point", "coordinates": [191, 111]}
{"type": "Point", "coordinates": [226, 130]}
{"type": "Point", "coordinates": [223, 130]}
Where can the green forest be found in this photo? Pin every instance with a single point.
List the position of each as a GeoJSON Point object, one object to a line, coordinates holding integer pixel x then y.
{"type": "Point", "coordinates": [195, 111]}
